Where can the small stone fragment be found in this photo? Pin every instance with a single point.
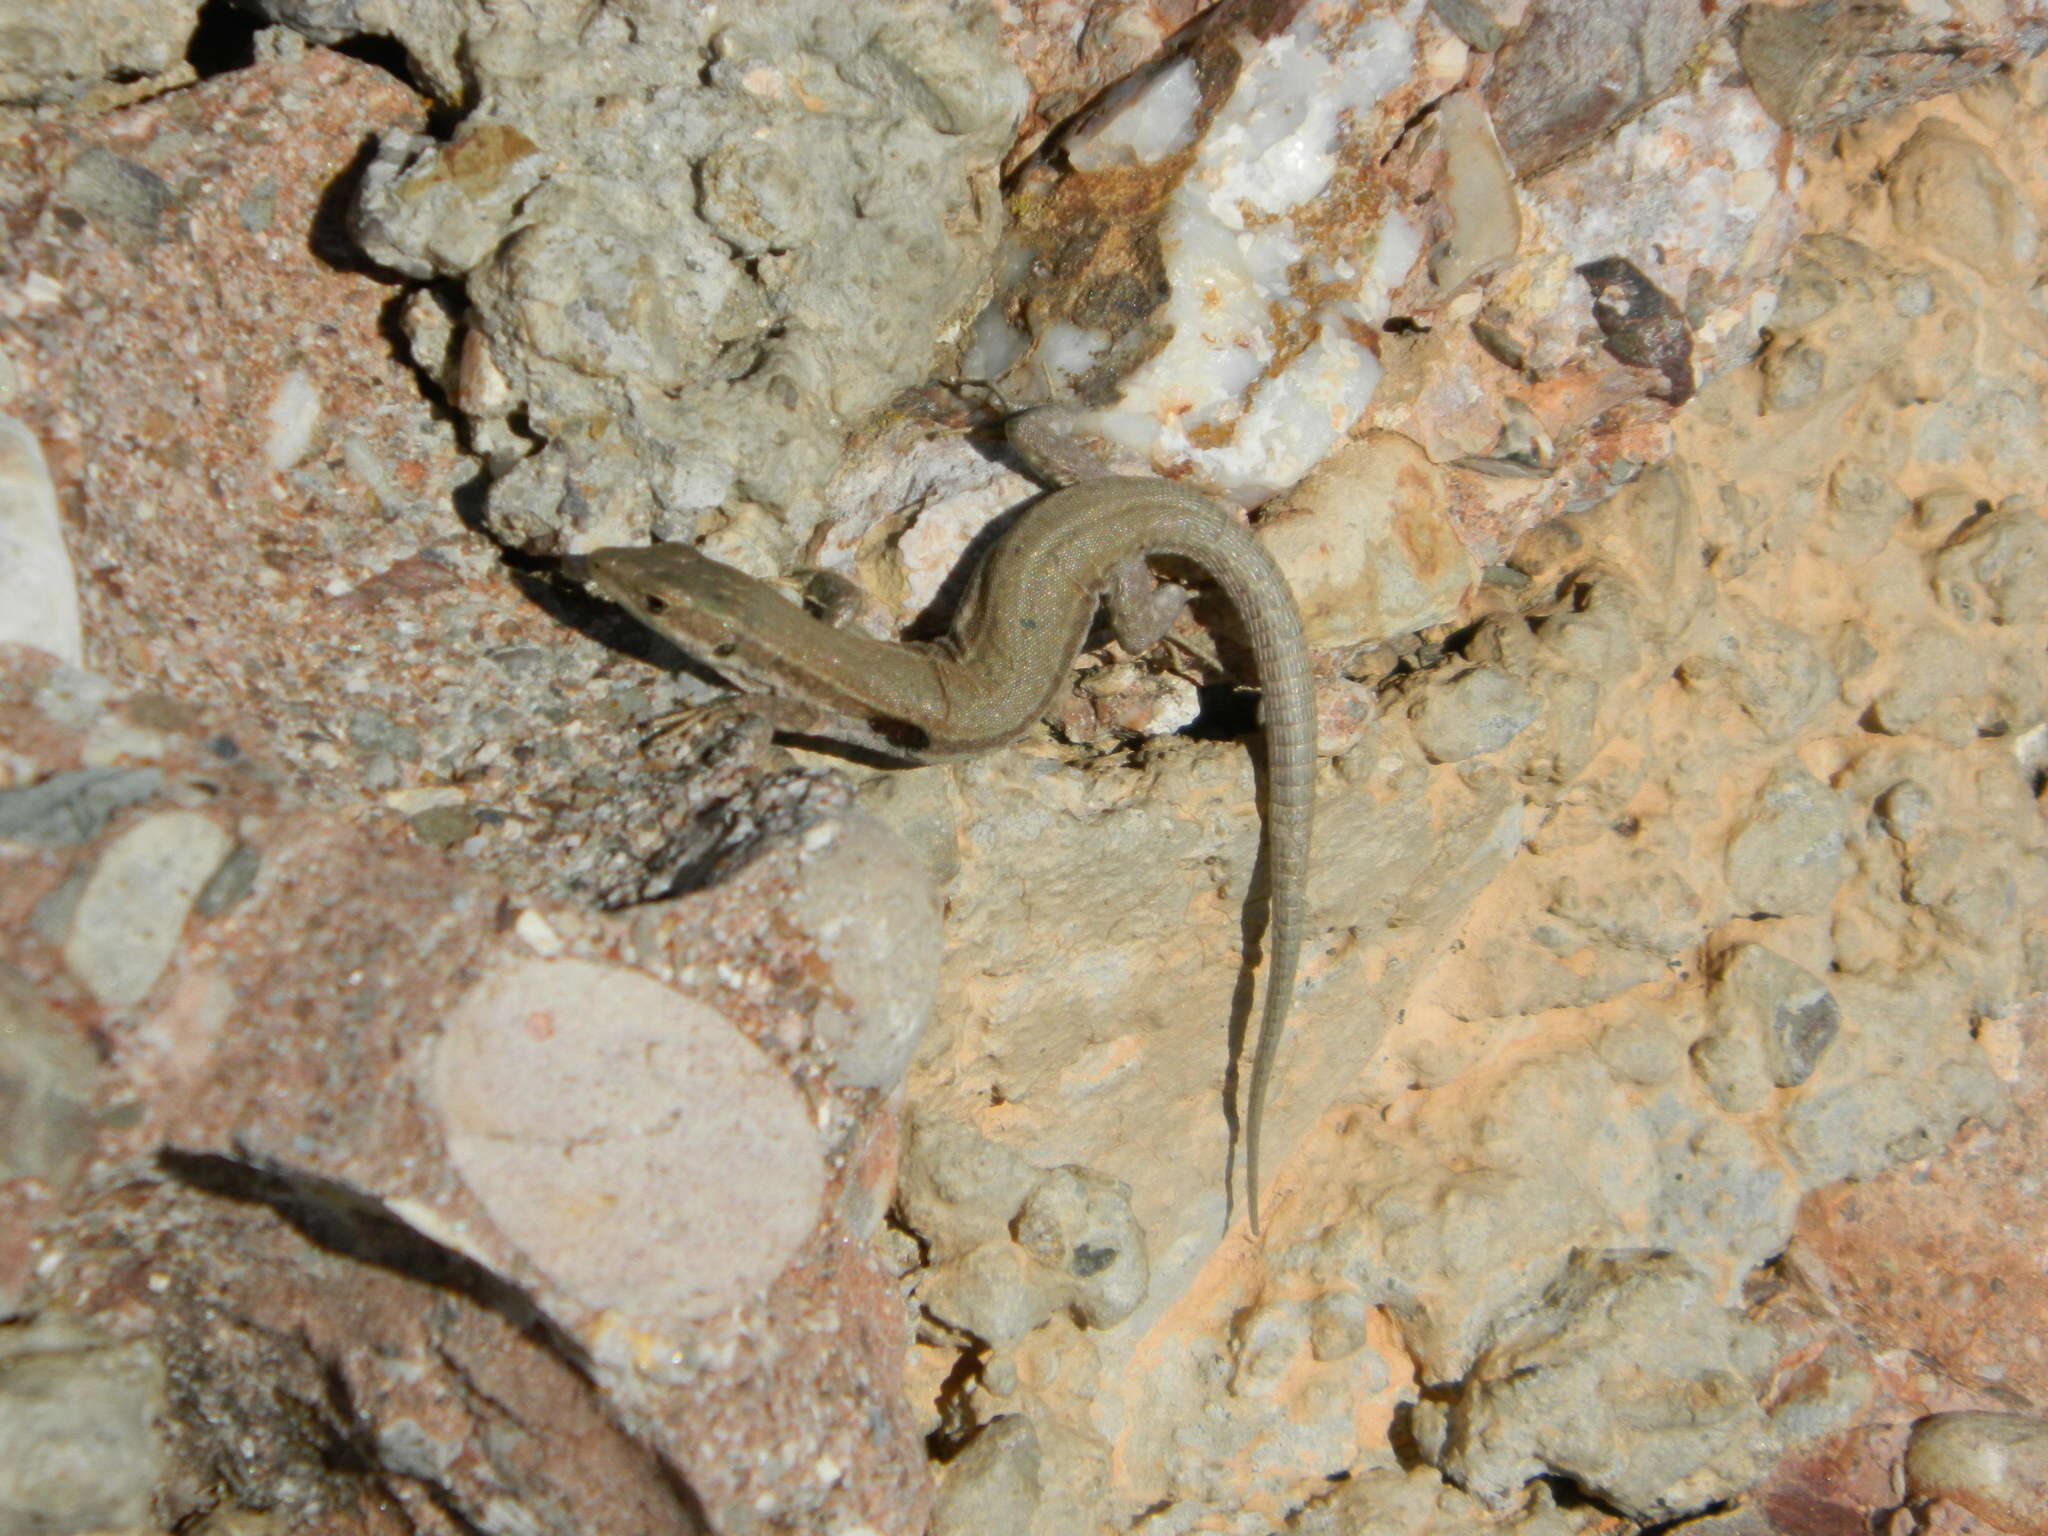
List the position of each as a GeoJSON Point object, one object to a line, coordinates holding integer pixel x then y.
{"type": "Point", "coordinates": [38, 588]}
{"type": "Point", "coordinates": [132, 912]}
{"type": "Point", "coordinates": [643, 1153]}
{"type": "Point", "coordinates": [993, 1485]}
{"type": "Point", "coordinates": [47, 1077]}
{"type": "Point", "coordinates": [1904, 809]}
{"type": "Point", "coordinates": [1079, 1223]}
{"type": "Point", "coordinates": [867, 902]}
{"type": "Point", "coordinates": [372, 730]}
{"type": "Point", "coordinates": [1930, 666]}
{"type": "Point", "coordinates": [1480, 710]}
{"type": "Point", "coordinates": [445, 826]}
{"type": "Point", "coordinates": [1997, 571]}
{"type": "Point", "coordinates": [70, 808]}
{"type": "Point", "coordinates": [125, 201]}
{"type": "Point", "coordinates": [998, 1293]}
{"type": "Point", "coordinates": [1367, 546]}
{"type": "Point", "coordinates": [1731, 1064]}
{"type": "Point", "coordinates": [1630, 1380]}
{"type": "Point", "coordinates": [1643, 327]}
{"type": "Point", "coordinates": [1479, 195]}
{"type": "Point", "coordinates": [1572, 72]}
{"type": "Point", "coordinates": [1336, 1325]}
{"type": "Point", "coordinates": [957, 1189]}
{"type": "Point", "coordinates": [1947, 190]}
{"type": "Point", "coordinates": [1784, 1006]}
{"type": "Point", "coordinates": [231, 882]}
{"type": "Point", "coordinates": [1475, 27]}
{"type": "Point", "coordinates": [1787, 859]}
{"type": "Point", "coordinates": [1995, 1465]}
{"type": "Point", "coordinates": [76, 1426]}
{"type": "Point", "coordinates": [1267, 1343]}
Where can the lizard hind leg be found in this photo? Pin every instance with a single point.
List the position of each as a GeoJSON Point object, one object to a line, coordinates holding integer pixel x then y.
{"type": "Point", "coordinates": [1142, 608]}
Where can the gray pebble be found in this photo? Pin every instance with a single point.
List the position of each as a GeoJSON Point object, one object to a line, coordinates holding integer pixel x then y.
{"type": "Point", "coordinates": [1904, 809]}
{"type": "Point", "coordinates": [47, 1078]}
{"type": "Point", "coordinates": [371, 731]}
{"type": "Point", "coordinates": [1787, 859]}
{"type": "Point", "coordinates": [1480, 710]}
{"type": "Point", "coordinates": [1080, 1224]}
{"type": "Point", "coordinates": [124, 201]}
{"type": "Point", "coordinates": [1995, 1465]}
{"type": "Point", "coordinates": [1794, 376]}
{"type": "Point", "coordinates": [76, 1416]}
{"type": "Point", "coordinates": [231, 882]}
{"type": "Point", "coordinates": [1336, 1325]}
{"type": "Point", "coordinates": [1787, 1008]}
{"type": "Point", "coordinates": [445, 826]}
{"type": "Point", "coordinates": [998, 1293]}
{"type": "Point", "coordinates": [72, 807]}
{"type": "Point", "coordinates": [957, 1189]}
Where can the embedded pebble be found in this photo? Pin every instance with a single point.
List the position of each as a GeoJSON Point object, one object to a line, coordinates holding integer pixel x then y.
{"type": "Point", "coordinates": [1785, 1007]}
{"type": "Point", "coordinates": [1337, 1325]}
{"type": "Point", "coordinates": [957, 1189]}
{"type": "Point", "coordinates": [47, 1077]}
{"type": "Point", "coordinates": [1996, 571]}
{"type": "Point", "coordinates": [1079, 1223]}
{"type": "Point", "coordinates": [1995, 1465]}
{"type": "Point", "coordinates": [77, 1421]}
{"type": "Point", "coordinates": [997, 1292]}
{"type": "Point", "coordinates": [1946, 189]}
{"type": "Point", "coordinates": [642, 1152]}
{"type": "Point", "coordinates": [1787, 858]}
{"type": "Point", "coordinates": [1267, 1342]}
{"type": "Point", "coordinates": [38, 589]}
{"type": "Point", "coordinates": [868, 903]}
{"type": "Point", "coordinates": [993, 1485]}
{"type": "Point", "coordinates": [1367, 546]}
{"type": "Point", "coordinates": [132, 912]}
{"type": "Point", "coordinates": [73, 807]}
{"type": "Point", "coordinates": [1480, 710]}
{"type": "Point", "coordinates": [1586, 1386]}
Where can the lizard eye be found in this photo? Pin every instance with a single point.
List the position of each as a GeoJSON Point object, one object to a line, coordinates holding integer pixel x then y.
{"type": "Point", "coordinates": [653, 604]}
{"type": "Point", "coordinates": [725, 647]}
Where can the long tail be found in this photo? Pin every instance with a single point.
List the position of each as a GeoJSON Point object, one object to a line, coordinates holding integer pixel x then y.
{"type": "Point", "coordinates": [1287, 715]}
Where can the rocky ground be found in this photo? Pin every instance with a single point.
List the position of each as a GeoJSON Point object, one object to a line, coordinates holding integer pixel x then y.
{"type": "Point", "coordinates": [438, 1097]}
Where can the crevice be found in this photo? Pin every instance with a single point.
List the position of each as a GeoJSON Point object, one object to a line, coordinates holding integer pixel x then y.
{"type": "Point", "coordinates": [224, 40]}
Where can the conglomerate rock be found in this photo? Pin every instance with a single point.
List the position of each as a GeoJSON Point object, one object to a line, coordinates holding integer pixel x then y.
{"type": "Point", "coordinates": [442, 1095]}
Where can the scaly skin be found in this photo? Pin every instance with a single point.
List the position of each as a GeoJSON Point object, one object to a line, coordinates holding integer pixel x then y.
{"type": "Point", "coordinates": [1013, 643]}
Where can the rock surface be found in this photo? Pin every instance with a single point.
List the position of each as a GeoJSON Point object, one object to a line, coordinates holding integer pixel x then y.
{"type": "Point", "coordinates": [438, 1092]}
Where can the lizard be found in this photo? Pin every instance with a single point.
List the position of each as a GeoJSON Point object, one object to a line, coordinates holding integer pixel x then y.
{"type": "Point", "coordinates": [1025, 616]}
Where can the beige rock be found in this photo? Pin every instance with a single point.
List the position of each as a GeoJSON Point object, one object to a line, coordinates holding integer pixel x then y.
{"type": "Point", "coordinates": [1993, 1464]}
{"type": "Point", "coordinates": [584, 1105]}
{"type": "Point", "coordinates": [1367, 545]}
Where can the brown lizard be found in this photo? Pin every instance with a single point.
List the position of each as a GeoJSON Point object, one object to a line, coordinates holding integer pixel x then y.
{"type": "Point", "coordinates": [1013, 642]}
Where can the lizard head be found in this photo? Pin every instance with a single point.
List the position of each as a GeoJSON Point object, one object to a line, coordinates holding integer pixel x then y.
{"type": "Point", "coordinates": [702, 605]}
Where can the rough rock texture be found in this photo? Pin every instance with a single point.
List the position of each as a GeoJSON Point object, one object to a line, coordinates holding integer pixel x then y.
{"type": "Point", "coordinates": [515, 1106]}
{"type": "Point", "coordinates": [300, 568]}
{"type": "Point", "coordinates": [692, 249]}
{"type": "Point", "coordinates": [1692, 872]}
{"type": "Point", "coordinates": [55, 53]}
{"type": "Point", "coordinates": [433, 1098]}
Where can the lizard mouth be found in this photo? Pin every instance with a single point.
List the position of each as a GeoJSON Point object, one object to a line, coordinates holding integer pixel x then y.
{"type": "Point", "coordinates": [575, 567]}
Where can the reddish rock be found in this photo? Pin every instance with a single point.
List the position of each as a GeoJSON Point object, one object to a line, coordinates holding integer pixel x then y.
{"type": "Point", "coordinates": [1944, 1257]}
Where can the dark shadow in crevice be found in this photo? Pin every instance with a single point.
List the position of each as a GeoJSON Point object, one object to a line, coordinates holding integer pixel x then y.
{"type": "Point", "coordinates": [345, 1221]}
{"type": "Point", "coordinates": [356, 1226]}
{"type": "Point", "coordinates": [328, 236]}
{"type": "Point", "coordinates": [224, 39]}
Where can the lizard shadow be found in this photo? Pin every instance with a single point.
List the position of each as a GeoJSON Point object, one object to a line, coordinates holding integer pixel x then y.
{"type": "Point", "coordinates": [1254, 929]}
